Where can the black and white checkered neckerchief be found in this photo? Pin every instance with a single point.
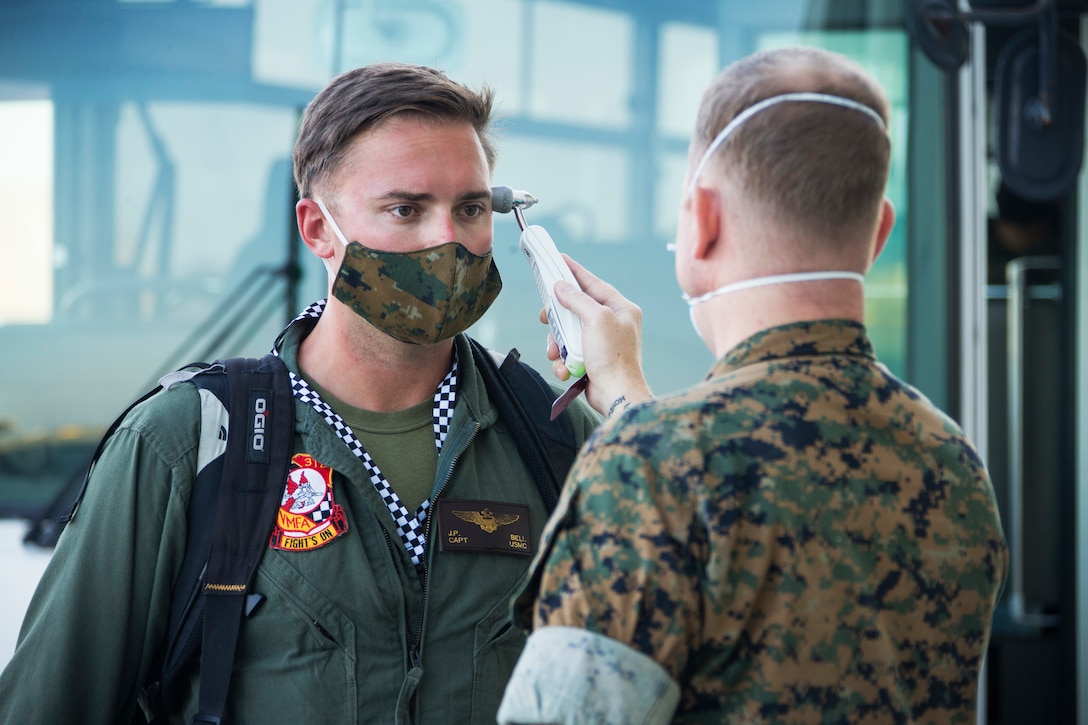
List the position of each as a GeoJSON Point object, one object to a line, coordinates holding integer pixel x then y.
{"type": "Point", "coordinates": [410, 526]}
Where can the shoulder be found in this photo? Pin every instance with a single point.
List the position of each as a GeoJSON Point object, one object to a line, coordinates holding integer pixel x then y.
{"type": "Point", "coordinates": [675, 421]}
{"type": "Point", "coordinates": [906, 408]}
{"type": "Point", "coordinates": [168, 422]}
{"type": "Point", "coordinates": [644, 445]}
{"type": "Point", "coordinates": [673, 448]}
{"type": "Point", "coordinates": [148, 458]}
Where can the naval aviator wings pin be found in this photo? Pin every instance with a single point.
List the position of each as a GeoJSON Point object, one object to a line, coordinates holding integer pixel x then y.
{"type": "Point", "coordinates": [308, 517]}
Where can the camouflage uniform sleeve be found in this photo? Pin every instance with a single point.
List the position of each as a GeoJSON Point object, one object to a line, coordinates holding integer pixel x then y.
{"type": "Point", "coordinates": [575, 677]}
{"type": "Point", "coordinates": [623, 552]}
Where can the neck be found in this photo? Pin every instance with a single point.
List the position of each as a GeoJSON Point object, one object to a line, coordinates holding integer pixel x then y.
{"type": "Point", "coordinates": [366, 368]}
{"type": "Point", "coordinates": [729, 319]}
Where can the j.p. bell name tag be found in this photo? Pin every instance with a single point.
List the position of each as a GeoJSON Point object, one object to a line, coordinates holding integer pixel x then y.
{"type": "Point", "coordinates": [502, 528]}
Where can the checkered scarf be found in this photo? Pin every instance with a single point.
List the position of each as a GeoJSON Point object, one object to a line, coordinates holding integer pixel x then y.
{"type": "Point", "coordinates": [410, 526]}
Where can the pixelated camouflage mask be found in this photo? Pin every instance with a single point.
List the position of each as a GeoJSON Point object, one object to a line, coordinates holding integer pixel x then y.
{"type": "Point", "coordinates": [419, 297]}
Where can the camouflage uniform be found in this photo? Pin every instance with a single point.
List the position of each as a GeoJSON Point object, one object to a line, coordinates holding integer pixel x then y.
{"type": "Point", "coordinates": [802, 538]}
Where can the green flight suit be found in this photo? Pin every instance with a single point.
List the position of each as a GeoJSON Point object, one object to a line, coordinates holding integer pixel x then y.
{"type": "Point", "coordinates": [349, 632]}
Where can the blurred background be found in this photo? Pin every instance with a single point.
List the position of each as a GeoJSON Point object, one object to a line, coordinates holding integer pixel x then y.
{"type": "Point", "coordinates": [146, 221]}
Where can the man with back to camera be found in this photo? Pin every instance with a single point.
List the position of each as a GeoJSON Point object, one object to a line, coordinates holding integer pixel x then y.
{"type": "Point", "coordinates": [801, 537]}
{"type": "Point", "coordinates": [384, 621]}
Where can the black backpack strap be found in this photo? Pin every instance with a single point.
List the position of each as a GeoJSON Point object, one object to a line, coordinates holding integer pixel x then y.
{"type": "Point", "coordinates": [524, 400]}
{"type": "Point", "coordinates": [258, 448]}
{"type": "Point", "coordinates": [186, 624]}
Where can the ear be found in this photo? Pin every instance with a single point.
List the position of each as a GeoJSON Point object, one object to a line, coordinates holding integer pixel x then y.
{"type": "Point", "coordinates": [883, 228]}
{"type": "Point", "coordinates": [707, 212]}
{"type": "Point", "coordinates": [315, 231]}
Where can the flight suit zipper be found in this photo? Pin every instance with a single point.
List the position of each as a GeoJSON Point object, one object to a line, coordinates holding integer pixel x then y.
{"type": "Point", "coordinates": [416, 644]}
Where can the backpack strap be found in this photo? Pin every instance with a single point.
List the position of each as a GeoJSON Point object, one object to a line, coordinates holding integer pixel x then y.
{"type": "Point", "coordinates": [186, 624]}
{"type": "Point", "coordinates": [255, 468]}
{"type": "Point", "coordinates": [524, 400]}
{"type": "Point", "coordinates": [229, 519]}
{"type": "Point", "coordinates": [238, 487]}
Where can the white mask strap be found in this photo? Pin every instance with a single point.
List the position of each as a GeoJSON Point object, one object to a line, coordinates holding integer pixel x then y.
{"type": "Point", "coordinates": [332, 222]}
{"type": "Point", "coordinates": [768, 102]}
{"type": "Point", "coordinates": [336, 230]}
{"type": "Point", "coordinates": [774, 279]}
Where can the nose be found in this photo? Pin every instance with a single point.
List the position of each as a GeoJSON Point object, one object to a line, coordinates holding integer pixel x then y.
{"type": "Point", "coordinates": [445, 228]}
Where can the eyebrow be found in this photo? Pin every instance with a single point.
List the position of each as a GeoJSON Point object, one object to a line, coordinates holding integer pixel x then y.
{"type": "Point", "coordinates": [397, 195]}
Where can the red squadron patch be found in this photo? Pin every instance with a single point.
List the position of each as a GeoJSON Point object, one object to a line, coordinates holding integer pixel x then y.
{"type": "Point", "coordinates": [308, 517]}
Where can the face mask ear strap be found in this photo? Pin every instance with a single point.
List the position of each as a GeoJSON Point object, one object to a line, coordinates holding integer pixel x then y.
{"type": "Point", "coordinates": [767, 103]}
{"type": "Point", "coordinates": [332, 222]}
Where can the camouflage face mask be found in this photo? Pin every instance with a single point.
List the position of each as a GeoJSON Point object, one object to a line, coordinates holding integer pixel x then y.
{"type": "Point", "coordinates": [420, 297]}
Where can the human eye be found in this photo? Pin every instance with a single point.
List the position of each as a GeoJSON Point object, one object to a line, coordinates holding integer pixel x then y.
{"type": "Point", "coordinates": [402, 211]}
{"type": "Point", "coordinates": [473, 210]}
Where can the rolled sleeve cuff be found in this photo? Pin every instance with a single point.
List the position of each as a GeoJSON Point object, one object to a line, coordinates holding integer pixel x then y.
{"type": "Point", "coordinates": [570, 676]}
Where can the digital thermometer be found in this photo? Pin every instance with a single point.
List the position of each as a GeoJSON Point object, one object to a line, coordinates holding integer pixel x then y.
{"type": "Point", "coordinates": [548, 268]}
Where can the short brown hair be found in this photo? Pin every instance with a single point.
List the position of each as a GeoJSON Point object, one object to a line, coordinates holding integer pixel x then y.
{"type": "Point", "coordinates": [822, 168]}
{"type": "Point", "coordinates": [361, 99]}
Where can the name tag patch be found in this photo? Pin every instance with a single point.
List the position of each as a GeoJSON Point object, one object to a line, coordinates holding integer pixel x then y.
{"type": "Point", "coordinates": [501, 528]}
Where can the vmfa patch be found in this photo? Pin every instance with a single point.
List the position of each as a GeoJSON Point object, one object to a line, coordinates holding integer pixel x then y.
{"type": "Point", "coordinates": [308, 517]}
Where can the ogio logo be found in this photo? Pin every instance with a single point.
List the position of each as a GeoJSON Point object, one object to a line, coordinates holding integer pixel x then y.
{"type": "Point", "coordinates": [260, 410]}
{"type": "Point", "coordinates": [258, 426]}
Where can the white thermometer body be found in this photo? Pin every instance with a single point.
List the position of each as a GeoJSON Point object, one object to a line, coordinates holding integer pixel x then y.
{"type": "Point", "coordinates": [548, 268]}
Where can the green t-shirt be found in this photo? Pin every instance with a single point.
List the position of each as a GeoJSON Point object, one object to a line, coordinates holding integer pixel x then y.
{"type": "Point", "coordinates": [401, 443]}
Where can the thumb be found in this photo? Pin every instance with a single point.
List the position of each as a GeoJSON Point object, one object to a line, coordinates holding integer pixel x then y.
{"type": "Point", "coordinates": [574, 299]}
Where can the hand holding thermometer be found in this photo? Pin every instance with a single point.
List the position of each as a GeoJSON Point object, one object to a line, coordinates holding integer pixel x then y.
{"type": "Point", "coordinates": [548, 268]}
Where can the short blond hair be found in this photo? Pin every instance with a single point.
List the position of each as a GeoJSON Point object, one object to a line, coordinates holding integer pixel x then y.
{"type": "Point", "coordinates": [821, 168]}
